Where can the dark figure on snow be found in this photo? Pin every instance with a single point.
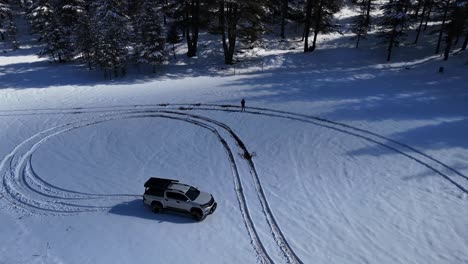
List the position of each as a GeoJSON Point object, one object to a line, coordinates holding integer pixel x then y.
{"type": "Point", "coordinates": [243, 105]}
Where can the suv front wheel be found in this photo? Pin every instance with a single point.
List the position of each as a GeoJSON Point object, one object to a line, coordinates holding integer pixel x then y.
{"type": "Point", "coordinates": [196, 214]}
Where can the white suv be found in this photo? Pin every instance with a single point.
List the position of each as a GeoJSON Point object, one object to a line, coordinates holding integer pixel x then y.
{"type": "Point", "coordinates": [170, 194]}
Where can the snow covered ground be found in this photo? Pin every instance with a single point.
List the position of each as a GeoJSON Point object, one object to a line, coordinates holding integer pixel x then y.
{"type": "Point", "coordinates": [356, 160]}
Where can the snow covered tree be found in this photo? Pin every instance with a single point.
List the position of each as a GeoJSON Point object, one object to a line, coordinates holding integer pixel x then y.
{"type": "Point", "coordinates": [45, 21]}
{"type": "Point", "coordinates": [395, 23]}
{"type": "Point", "coordinates": [284, 16]}
{"type": "Point", "coordinates": [430, 8]}
{"type": "Point", "coordinates": [454, 29]}
{"type": "Point", "coordinates": [190, 16]}
{"type": "Point", "coordinates": [361, 23]}
{"type": "Point", "coordinates": [307, 23]}
{"type": "Point", "coordinates": [57, 47]}
{"type": "Point", "coordinates": [69, 14]}
{"type": "Point", "coordinates": [425, 7]}
{"type": "Point", "coordinates": [112, 29]}
{"type": "Point", "coordinates": [7, 25]}
{"type": "Point", "coordinates": [173, 37]}
{"type": "Point", "coordinates": [465, 42]}
{"type": "Point", "coordinates": [322, 18]}
{"type": "Point", "coordinates": [151, 41]}
{"type": "Point", "coordinates": [40, 16]}
{"type": "Point", "coordinates": [192, 26]}
{"type": "Point", "coordinates": [464, 5]}
{"type": "Point", "coordinates": [241, 19]}
{"type": "Point", "coordinates": [445, 8]}
{"type": "Point", "coordinates": [5, 19]}
{"type": "Point", "coordinates": [84, 38]}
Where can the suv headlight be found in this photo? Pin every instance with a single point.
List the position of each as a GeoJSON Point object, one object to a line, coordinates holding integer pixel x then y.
{"type": "Point", "coordinates": [210, 203]}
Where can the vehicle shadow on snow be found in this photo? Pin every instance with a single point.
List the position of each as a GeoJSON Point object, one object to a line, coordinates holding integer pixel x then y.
{"type": "Point", "coordinates": [136, 208]}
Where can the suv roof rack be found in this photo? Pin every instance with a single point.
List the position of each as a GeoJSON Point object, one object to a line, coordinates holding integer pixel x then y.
{"type": "Point", "coordinates": [159, 183]}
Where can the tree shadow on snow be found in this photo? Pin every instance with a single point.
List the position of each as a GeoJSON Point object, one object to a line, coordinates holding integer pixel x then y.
{"type": "Point", "coordinates": [136, 208]}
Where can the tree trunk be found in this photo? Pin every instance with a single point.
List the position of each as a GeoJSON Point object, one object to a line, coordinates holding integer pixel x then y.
{"type": "Point", "coordinates": [164, 9]}
{"type": "Point", "coordinates": [457, 39]}
{"type": "Point", "coordinates": [465, 43]}
{"type": "Point", "coordinates": [228, 17]}
{"type": "Point", "coordinates": [431, 4]}
{"type": "Point", "coordinates": [391, 44]}
{"type": "Point", "coordinates": [318, 19]}
{"type": "Point", "coordinates": [368, 9]}
{"type": "Point", "coordinates": [420, 23]}
{"type": "Point", "coordinates": [192, 27]}
{"type": "Point", "coordinates": [358, 39]}
{"type": "Point", "coordinates": [284, 14]}
{"type": "Point", "coordinates": [448, 46]}
{"type": "Point", "coordinates": [307, 24]}
{"type": "Point", "coordinates": [416, 13]}
{"type": "Point", "coordinates": [447, 3]}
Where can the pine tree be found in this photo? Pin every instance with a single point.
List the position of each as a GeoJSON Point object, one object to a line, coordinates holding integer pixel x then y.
{"type": "Point", "coordinates": [445, 7]}
{"type": "Point", "coordinates": [112, 29]}
{"type": "Point", "coordinates": [69, 14]}
{"type": "Point", "coordinates": [190, 16]}
{"type": "Point", "coordinates": [40, 15]}
{"type": "Point", "coordinates": [464, 5]}
{"type": "Point", "coordinates": [465, 42]}
{"type": "Point", "coordinates": [284, 16]}
{"type": "Point", "coordinates": [277, 9]}
{"type": "Point", "coordinates": [425, 8]}
{"type": "Point", "coordinates": [241, 19]}
{"type": "Point", "coordinates": [192, 26]}
{"type": "Point", "coordinates": [307, 23]}
{"type": "Point", "coordinates": [84, 38]}
{"type": "Point", "coordinates": [395, 23]}
{"type": "Point", "coordinates": [429, 12]}
{"type": "Point", "coordinates": [7, 26]}
{"type": "Point", "coordinates": [322, 18]}
{"type": "Point", "coordinates": [362, 22]}
{"type": "Point", "coordinates": [151, 42]}
{"type": "Point", "coordinates": [56, 46]}
{"type": "Point", "coordinates": [454, 29]}
{"type": "Point", "coordinates": [173, 37]}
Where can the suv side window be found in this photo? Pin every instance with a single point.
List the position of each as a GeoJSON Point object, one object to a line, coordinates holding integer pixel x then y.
{"type": "Point", "coordinates": [155, 192]}
{"type": "Point", "coordinates": [176, 196]}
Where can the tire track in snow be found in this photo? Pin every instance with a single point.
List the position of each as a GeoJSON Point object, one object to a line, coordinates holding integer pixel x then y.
{"type": "Point", "coordinates": [402, 147]}
{"type": "Point", "coordinates": [23, 173]}
{"type": "Point", "coordinates": [398, 147]}
{"type": "Point", "coordinates": [391, 144]}
{"type": "Point", "coordinates": [278, 236]}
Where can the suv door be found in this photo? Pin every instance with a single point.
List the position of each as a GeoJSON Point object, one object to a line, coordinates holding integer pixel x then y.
{"type": "Point", "coordinates": [177, 201]}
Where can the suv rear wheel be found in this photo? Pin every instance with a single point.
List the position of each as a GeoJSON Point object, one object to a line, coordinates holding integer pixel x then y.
{"type": "Point", "coordinates": [156, 207]}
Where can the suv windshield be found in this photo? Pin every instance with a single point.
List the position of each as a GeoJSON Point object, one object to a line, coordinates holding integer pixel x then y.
{"type": "Point", "coordinates": [192, 193]}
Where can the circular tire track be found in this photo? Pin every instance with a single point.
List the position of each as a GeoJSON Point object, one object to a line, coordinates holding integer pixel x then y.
{"type": "Point", "coordinates": [26, 189]}
{"type": "Point", "coordinates": [450, 174]}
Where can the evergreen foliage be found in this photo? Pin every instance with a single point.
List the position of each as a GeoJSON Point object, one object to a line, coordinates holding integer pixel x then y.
{"type": "Point", "coordinates": [112, 30]}
{"type": "Point", "coordinates": [395, 24]}
{"type": "Point", "coordinates": [151, 41]}
{"type": "Point", "coordinates": [362, 22]}
{"type": "Point", "coordinates": [5, 17]}
{"type": "Point", "coordinates": [173, 37]}
{"type": "Point", "coordinates": [239, 19]}
{"type": "Point", "coordinates": [110, 34]}
{"type": "Point", "coordinates": [321, 19]}
{"type": "Point", "coordinates": [7, 26]}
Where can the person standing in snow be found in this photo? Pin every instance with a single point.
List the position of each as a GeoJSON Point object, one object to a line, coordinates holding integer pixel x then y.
{"type": "Point", "coordinates": [243, 105]}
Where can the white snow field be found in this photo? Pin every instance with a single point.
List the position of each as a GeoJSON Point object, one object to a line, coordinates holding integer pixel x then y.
{"type": "Point", "coordinates": [354, 160]}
